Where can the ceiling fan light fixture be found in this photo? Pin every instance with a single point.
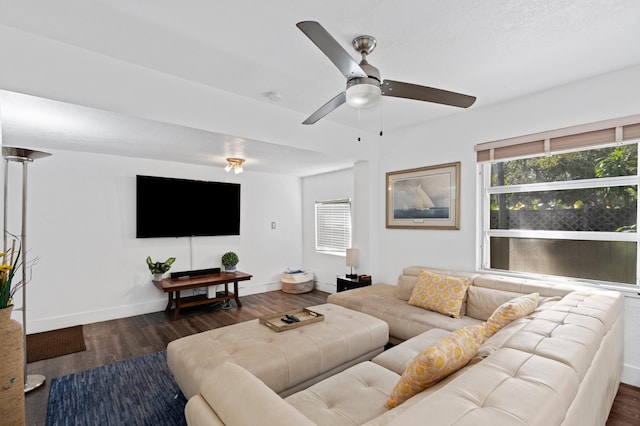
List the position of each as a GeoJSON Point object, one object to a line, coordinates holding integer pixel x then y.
{"type": "Point", "coordinates": [234, 164]}
{"type": "Point", "coordinates": [363, 95]}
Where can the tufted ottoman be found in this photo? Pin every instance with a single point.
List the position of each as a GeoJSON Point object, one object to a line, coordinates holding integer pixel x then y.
{"type": "Point", "coordinates": [288, 361]}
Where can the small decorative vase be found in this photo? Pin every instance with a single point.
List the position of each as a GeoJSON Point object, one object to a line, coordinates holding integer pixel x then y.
{"type": "Point", "coordinates": [157, 277]}
{"type": "Point", "coordinates": [230, 269]}
{"type": "Point", "coordinates": [11, 370]}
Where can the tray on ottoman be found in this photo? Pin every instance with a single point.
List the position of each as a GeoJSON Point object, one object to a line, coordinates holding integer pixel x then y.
{"type": "Point", "coordinates": [306, 316]}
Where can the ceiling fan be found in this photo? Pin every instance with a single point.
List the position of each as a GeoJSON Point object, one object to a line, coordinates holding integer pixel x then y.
{"type": "Point", "coordinates": [364, 86]}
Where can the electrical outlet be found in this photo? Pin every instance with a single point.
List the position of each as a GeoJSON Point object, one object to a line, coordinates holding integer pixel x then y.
{"type": "Point", "coordinates": [273, 225]}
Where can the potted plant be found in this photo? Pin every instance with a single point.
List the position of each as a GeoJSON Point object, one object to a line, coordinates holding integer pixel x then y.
{"type": "Point", "coordinates": [159, 268]}
{"type": "Point", "coordinates": [229, 261]}
{"type": "Point", "coordinates": [13, 363]}
{"type": "Point", "coordinates": [10, 263]}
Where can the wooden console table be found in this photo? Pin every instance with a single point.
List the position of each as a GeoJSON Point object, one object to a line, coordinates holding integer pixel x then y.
{"type": "Point", "coordinates": [175, 286]}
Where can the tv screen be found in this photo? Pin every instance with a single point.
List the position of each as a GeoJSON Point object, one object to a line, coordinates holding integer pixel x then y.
{"type": "Point", "coordinates": [167, 207]}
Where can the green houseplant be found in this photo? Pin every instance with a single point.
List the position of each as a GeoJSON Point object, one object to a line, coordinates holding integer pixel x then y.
{"type": "Point", "coordinates": [229, 261]}
{"type": "Point", "coordinates": [159, 268]}
{"type": "Point", "coordinates": [11, 262]}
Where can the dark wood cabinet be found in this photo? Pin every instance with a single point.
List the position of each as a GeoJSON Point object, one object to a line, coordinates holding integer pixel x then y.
{"type": "Point", "coordinates": [343, 283]}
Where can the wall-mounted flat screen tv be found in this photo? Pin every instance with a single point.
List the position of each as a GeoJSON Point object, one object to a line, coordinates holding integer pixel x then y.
{"type": "Point", "coordinates": [168, 207]}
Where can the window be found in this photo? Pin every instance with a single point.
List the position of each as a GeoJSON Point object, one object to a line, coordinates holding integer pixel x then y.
{"type": "Point", "coordinates": [333, 226]}
{"type": "Point", "coordinates": [569, 212]}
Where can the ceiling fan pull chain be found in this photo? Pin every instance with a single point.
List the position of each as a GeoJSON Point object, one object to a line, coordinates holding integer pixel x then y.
{"type": "Point", "coordinates": [380, 116]}
{"type": "Point", "coordinates": [358, 124]}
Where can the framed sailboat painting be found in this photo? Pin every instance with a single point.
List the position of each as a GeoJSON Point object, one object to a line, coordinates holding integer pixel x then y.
{"type": "Point", "coordinates": [424, 198]}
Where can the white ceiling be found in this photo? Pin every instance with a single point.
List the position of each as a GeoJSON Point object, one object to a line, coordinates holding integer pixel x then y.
{"type": "Point", "coordinates": [495, 50]}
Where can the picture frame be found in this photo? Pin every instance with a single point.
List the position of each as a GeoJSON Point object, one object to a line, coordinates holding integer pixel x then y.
{"type": "Point", "coordinates": [424, 198]}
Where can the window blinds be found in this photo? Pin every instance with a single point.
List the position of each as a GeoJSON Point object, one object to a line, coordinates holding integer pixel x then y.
{"type": "Point", "coordinates": [333, 225]}
{"type": "Point", "coordinates": [619, 130]}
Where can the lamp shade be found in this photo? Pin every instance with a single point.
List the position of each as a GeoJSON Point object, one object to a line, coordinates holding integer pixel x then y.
{"type": "Point", "coordinates": [352, 257]}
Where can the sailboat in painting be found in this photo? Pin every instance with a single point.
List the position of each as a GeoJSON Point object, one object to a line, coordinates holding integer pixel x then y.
{"type": "Point", "coordinates": [422, 200]}
{"type": "Point", "coordinates": [423, 208]}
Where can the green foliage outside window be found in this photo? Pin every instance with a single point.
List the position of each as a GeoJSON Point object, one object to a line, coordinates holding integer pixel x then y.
{"type": "Point", "coordinates": [596, 163]}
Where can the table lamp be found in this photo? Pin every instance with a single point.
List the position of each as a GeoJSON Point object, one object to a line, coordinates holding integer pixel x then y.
{"type": "Point", "coordinates": [352, 261]}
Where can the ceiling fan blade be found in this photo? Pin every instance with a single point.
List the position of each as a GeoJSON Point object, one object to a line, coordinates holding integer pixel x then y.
{"type": "Point", "coordinates": [326, 108]}
{"type": "Point", "coordinates": [399, 89]}
{"type": "Point", "coordinates": [330, 47]}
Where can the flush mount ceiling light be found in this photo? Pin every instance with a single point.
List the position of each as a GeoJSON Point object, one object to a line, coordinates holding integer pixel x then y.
{"type": "Point", "coordinates": [234, 164]}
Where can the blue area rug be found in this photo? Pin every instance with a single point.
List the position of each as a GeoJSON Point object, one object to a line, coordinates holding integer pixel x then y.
{"type": "Point", "coordinates": [138, 391]}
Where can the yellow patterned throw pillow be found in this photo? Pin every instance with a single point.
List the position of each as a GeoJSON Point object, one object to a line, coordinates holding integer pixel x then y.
{"type": "Point", "coordinates": [513, 309]}
{"type": "Point", "coordinates": [447, 355]}
{"type": "Point", "coordinates": [439, 293]}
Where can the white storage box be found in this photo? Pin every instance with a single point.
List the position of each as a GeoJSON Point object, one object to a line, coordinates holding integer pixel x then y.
{"type": "Point", "coordinates": [297, 282]}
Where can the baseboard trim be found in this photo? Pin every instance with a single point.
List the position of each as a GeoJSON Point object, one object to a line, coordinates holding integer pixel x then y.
{"type": "Point", "coordinates": [631, 375]}
{"type": "Point", "coordinates": [326, 287]}
{"type": "Point", "coordinates": [89, 317]}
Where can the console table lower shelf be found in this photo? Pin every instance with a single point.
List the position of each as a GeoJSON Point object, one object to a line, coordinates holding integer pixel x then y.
{"type": "Point", "coordinates": [174, 286]}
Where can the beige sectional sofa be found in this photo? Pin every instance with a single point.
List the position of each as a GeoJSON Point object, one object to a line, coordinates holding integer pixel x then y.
{"type": "Point", "coordinates": [486, 292]}
{"type": "Point", "coordinates": [560, 365]}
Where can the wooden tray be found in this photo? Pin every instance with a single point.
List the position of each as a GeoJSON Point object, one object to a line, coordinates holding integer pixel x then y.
{"type": "Point", "coordinates": [306, 317]}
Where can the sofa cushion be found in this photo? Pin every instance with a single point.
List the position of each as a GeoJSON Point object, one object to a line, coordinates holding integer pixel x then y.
{"type": "Point", "coordinates": [571, 331]}
{"type": "Point", "coordinates": [399, 357]}
{"type": "Point", "coordinates": [230, 384]}
{"type": "Point", "coordinates": [497, 341]}
{"type": "Point", "coordinates": [405, 321]}
{"type": "Point", "coordinates": [439, 293]}
{"type": "Point", "coordinates": [508, 388]}
{"type": "Point", "coordinates": [511, 310]}
{"type": "Point", "coordinates": [522, 285]}
{"type": "Point", "coordinates": [389, 415]}
{"type": "Point", "coordinates": [482, 302]}
{"type": "Point", "coordinates": [351, 397]}
{"type": "Point", "coordinates": [409, 277]}
{"type": "Point", "coordinates": [444, 357]}
{"type": "Point", "coordinates": [405, 286]}
{"type": "Point", "coordinates": [198, 413]}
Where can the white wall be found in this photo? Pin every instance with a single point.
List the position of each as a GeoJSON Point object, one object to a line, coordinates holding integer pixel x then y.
{"type": "Point", "coordinates": [329, 186]}
{"type": "Point", "coordinates": [356, 184]}
{"type": "Point", "coordinates": [453, 138]}
{"type": "Point", "coordinates": [81, 227]}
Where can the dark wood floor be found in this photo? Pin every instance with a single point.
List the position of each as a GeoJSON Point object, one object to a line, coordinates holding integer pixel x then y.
{"type": "Point", "coordinates": [112, 341]}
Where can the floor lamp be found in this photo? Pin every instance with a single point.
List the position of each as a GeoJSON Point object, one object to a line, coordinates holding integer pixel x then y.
{"type": "Point", "coordinates": [24, 156]}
